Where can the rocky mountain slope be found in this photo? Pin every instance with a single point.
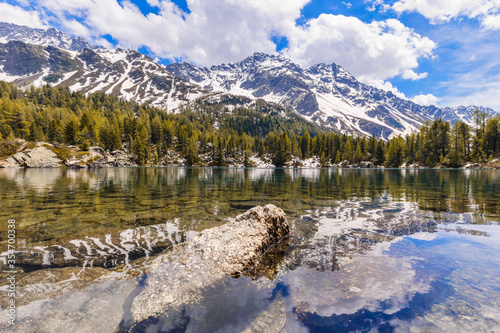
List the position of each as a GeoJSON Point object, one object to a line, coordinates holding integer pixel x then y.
{"type": "Point", "coordinates": [126, 73]}
{"type": "Point", "coordinates": [464, 113]}
{"type": "Point", "coordinates": [326, 95]}
{"type": "Point", "coordinates": [43, 37]}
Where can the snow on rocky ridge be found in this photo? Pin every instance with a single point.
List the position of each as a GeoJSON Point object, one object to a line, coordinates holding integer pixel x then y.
{"type": "Point", "coordinates": [43, 37]}
{"type": "Point", "coordinates": [325, 94]}
{"type": "Point", "coordinates": [125, 73]}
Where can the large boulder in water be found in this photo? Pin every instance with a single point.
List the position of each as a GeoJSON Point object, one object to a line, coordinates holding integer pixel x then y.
{"type": "Point", "coordinates": [183, 275]}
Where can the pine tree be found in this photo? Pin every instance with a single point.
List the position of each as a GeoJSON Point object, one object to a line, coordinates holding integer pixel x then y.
{"type": "Point", "coordinates": [491, 140]}
{"type": "Point", "coordinates": [358, 156]}
{"type": "Point", "coordinates": [156, 131]}
{"type": "Point", "coordinates": [36, 133]}
{"type": "Point", "coordinates": [315, 145]}
{"type": "Point", "coordinates": [410, 148]}
{"type": "Point", "coordinates": [244, 142]}
{"type": "Point", "coordinates": [55, 132]}
{"type": "Point", "coordinates": [139, 149]}
{"type": "Point", "coordinates": [380, 153]}
{"type": "Point", "coordinates": [294, 142]}
{"type": "Point", "coordinates": [115, 140]}
{"type": "Point", "coordinates": [322, 159]}
{"type": "Point", "coordinates": [282, 151]}
{"type": "Point", "coordinates": [85, 146]}
{"type": "Point", "coordinates": [246, 161]}
{"type": "Point", "coordinates": [141, 146]}
{"type": "Point", "coordinates": [71, 132]}
{"type": "Point", "coordinates": [20, 125]}
{"type": "Point", "coordinates": [337, 157]}
{"type": "Point", "coordinates": [305, 144]}
{"type": "Point", "coordinates": [395, 152]}
{"type": "Point", "coordinates": [477, 151]}
{"type": "Point", "coordinates": [458, 145]}
{"type": "Point", "coordinates": [436, 144]}
{"type": "Point", "coordinates": [219, 159]}
{"type": "Point", "coordinates": [168, 132]}
{"type": "Point", "coordinates": [192, 152]}
{"type": "Point", "coordinates": [372, 145]}
{"type": "Point", "coordinates": [348, 153]}
{"type": "Point", "coordinates": [6, 131]}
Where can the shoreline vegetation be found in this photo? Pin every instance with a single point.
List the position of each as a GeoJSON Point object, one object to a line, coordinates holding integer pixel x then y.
{"type": "Point", "coordinates": [46, 155]}
{"type": "Point", "coordinates": [54, 127]}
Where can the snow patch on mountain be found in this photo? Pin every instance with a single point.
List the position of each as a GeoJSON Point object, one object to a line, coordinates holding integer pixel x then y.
{"type": "Point", "coordinates": [325, 94]}
{"type": "Point", "coordinates": [43, 37]}
{"type": "Point", "coordinates": [125, 73]}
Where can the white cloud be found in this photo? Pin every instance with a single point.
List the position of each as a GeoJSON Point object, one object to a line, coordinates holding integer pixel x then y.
{"type": "Point", "coordinates": [347, 4]}
{"type": "Point", "coordinates": [153, 3]}
{"type": "Point", "coordinates": [409, 74]}
{"type": "Point", "coordinates": [428, 99]}
{"type": "Point", "coordinates": [76, 28]}
{"type": "Point", "coordinates": [475, 88]}
{"type": "Point", "coordinates": [439, 11]}
{"type": "Point", "coordinates": [17, 15]}
{"type": "Point", "coordinates": [385, 85]}
{"type": "Point", "coordinates": [374, 4]}
{"type": "Point", "coordinates": [492, 22]}
{"type": "Point", "coordinates": [222, 31]}
{"type": "Point", "coordinates": [422, 99]}
{"type": "Point", "coordinates": [378, 50]}
{"type": "Point", "coordinates": [213, 32]}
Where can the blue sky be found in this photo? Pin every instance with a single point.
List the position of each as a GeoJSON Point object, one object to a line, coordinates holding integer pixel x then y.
{"type": "Point", "coordinates": [431, 51]}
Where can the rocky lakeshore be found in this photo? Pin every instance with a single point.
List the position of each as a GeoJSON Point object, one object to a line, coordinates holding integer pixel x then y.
{"type": "Point", "coordinates": [21, 154]}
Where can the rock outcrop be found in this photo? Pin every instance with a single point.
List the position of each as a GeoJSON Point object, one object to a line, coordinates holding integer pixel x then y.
{"type": "Point", "coordinates": [233, 249]}
{"type": "Point", "coordinates": [117, 158]}
{"type": "Point", "coordinates": [38, 157]}
{"type": "Point", "coordinates": [45, 155]}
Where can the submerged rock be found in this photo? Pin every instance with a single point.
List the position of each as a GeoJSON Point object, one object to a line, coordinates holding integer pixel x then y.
{"type": "Point", "coordinates": [272, 319]}
{"type": "Point", "coordinates": [180, 277]}
{"type": "Point", "coordinates": [106, 250]}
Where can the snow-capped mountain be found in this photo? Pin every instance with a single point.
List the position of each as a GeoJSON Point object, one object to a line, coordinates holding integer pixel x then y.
{"type": "Point", "coordinates": [463, 113]}
{"type": "Point", "coordinates": [43, 37]}
{"type": "Point", "coordinates": [325, 94]}
{"type": "Point", "coordinates": [125, 73]}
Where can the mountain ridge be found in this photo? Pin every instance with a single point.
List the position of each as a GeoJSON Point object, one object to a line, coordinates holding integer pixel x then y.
{"type": "Point", "coordinates": [324, 94]}
{"type": "Point", "coordinates": [43, 37]}
{"type": "Point", "coordinates": [125, 73]}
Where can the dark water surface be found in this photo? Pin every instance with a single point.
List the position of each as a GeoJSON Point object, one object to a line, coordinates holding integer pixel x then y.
{"type": "Point", "coordinates": [370, 251]}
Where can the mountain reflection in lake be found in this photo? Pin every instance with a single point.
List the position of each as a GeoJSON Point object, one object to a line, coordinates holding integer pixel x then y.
{"type": "Point", "coordinates": [386, 250]}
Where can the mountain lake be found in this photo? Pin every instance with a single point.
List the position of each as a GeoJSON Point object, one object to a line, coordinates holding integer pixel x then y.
{"type": "Point", "coordinates": [370, 250]}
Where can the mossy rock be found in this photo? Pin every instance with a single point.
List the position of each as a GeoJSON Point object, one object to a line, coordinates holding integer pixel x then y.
{"type": "Point", "coordinates": [9, 148]}
{"type": "Point", "coordinates": [62, 152]}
